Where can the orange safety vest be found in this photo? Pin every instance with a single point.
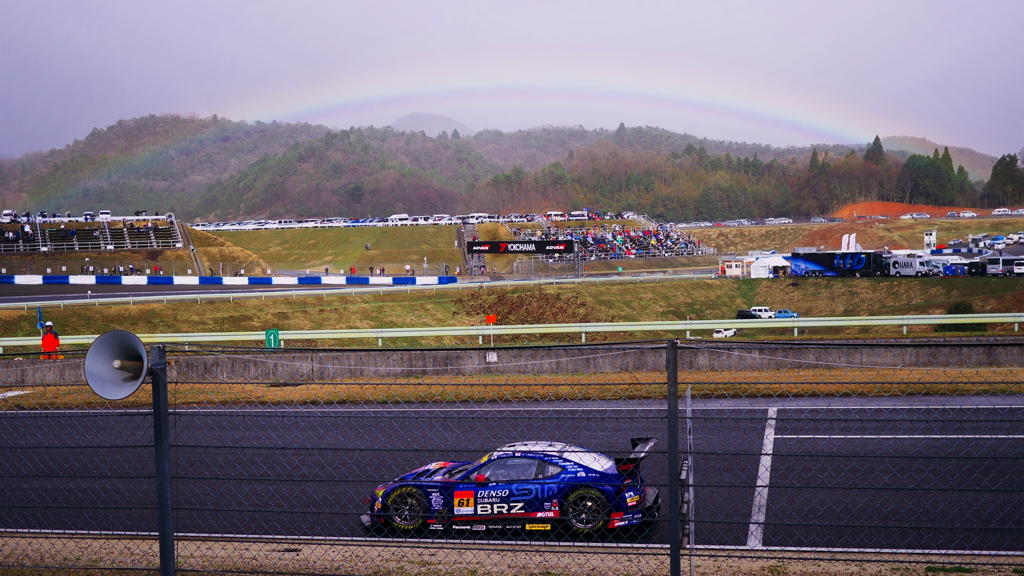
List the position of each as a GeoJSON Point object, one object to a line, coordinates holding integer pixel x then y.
{"type": "Point", "coordinates": [51, 342]}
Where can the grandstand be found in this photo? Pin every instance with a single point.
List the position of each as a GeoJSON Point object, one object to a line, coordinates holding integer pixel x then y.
{"type": "Point", "coordinates": [608, 242]}
{"type": "Point", "coordinates": [59, 235]}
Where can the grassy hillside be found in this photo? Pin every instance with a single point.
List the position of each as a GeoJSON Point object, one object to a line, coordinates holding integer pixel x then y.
{"type": "Point", "coordinates": [339, 248]}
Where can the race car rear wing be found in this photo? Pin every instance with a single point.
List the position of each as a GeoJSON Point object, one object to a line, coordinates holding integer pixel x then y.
{"type": "Point", "coordinates": [641, 446]}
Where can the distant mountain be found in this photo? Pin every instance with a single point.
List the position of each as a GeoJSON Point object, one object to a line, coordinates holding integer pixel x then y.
{"type": "Point", "coordinates": [430, 124]}
{"type": "Point", "coordinates": [977, 164]}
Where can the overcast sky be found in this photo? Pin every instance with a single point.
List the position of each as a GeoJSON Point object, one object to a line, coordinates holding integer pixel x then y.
{"type": "Point", "coordinates": [781, 73]}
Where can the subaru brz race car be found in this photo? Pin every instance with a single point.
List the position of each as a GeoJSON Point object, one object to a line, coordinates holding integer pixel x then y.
{"type": "Point", "coordinates": [527, 485]}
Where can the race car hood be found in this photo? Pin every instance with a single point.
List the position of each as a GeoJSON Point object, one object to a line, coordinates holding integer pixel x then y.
{"type": "Point", "coordinates": [429, 471]}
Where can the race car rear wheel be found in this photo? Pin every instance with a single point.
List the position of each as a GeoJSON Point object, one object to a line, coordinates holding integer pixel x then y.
{"type": "Point", "coordinates": [586, 509]}
{"type": "Point", "coordinates": [406, 508]}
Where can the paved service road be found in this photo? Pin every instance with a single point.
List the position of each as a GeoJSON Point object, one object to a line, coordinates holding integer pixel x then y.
{"type": "Point", "coordinates": [932, 473]}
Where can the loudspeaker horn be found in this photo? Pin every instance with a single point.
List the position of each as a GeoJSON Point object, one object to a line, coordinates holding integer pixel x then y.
{"type": "Point", "coordinates": [116, 364]}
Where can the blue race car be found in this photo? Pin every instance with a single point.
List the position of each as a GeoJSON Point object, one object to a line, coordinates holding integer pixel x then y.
{"type": "Point", "coordinates": [524, 485]}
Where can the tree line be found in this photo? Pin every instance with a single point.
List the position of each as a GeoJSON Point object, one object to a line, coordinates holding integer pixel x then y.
{"type": "Point", "coordinates": [220, 169]}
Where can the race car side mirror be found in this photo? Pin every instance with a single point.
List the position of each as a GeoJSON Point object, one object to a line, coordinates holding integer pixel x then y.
{"type": "Point", "coordinates": [480, 479]}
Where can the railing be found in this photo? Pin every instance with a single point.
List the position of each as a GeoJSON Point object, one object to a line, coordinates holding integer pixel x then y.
{"type": "Point", "coordinates": [482, 332]}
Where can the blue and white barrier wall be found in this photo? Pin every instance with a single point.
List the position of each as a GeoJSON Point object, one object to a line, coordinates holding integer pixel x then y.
{"type": "Point", "coordinates": [229, 280]}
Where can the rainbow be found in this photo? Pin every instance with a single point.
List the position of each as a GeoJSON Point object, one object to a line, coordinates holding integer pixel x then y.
{"type": "Point", "coordinates": [719, 108]}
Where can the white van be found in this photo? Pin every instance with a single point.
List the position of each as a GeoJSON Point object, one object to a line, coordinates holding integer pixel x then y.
{"type": "Point", "coordinates": [763, 312]}
{"type": "Point", "coordinates": [1001, 212]}
{"type": "Point", "coordinates": [577, 215]}
{"type": "Point", "coordinates": [478, 218]}
{"type": "Point", "coordinates": [8, 216]}
{"type": "Point", "coordinates": [397, 220]}
{"type": "Point", "coordinates": [555, 216]}
{"type": "Point", "coordinates": [104, 216]}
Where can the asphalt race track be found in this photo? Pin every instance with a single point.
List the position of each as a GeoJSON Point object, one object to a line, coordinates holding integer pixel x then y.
{"type": "Point", "coordinates": [928, 473]}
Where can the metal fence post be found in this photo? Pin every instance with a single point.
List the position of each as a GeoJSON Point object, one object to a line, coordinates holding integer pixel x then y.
{"type": "Point", "coordinates": [674, 541]}
{"type": "Point", "coordinates": [162, 442]}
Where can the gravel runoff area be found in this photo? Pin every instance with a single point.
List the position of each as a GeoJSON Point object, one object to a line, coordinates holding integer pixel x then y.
{"type": "Point", "coordinates": [455, 558]}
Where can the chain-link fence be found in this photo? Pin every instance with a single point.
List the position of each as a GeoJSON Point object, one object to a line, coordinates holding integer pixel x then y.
{"type": "Point", "coordinates": [601, 459]}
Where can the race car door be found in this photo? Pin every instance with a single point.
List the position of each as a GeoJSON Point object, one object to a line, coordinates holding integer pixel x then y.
{"type": "Point", "coordinates": [513, 487]}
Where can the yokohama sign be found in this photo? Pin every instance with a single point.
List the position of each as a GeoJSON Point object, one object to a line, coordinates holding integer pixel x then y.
{"type": "Point", "coordinates": [522, 247]}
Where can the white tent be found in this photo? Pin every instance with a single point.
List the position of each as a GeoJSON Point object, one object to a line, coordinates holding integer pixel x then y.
{"type": "Point", "coordinates": [762, 267]}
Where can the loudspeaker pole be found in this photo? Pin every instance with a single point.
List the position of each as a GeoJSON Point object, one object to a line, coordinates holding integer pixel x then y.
{"type": "Point", "coordinates": [162, 441]}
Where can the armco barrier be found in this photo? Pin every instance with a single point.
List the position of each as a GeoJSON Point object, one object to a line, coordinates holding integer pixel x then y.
{"type": "Point", "coordinates": [34, 279]}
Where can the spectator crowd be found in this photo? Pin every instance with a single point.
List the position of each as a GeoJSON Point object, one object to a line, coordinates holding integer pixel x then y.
{"type": "Point", "coordinates": [604, 242]}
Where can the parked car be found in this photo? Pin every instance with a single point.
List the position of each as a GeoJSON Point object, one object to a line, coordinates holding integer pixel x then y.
{"type": "Point", "coordinates": [746, 315]}
{"type": "Point", "coordinates": [786, 313]}
{"type": "Point", "coordinates": [968, 214]}
{"type": "Point", "coordinates": [1001, 212]}
{"type": "Point", "coordinates": [818, 220]}
{"type": "Point", "coordinates": [953, 214]}
{"type": "Point", "coordinates": [536, 485]}
{"type": "Point", "coordinates": [762, 312]}
{"type": "Point", "coordinates": [954, 242]}
{"type": "Point", "coordinates": [1018, 268]}
{"type": "Point", "coordinates": [723, 333]}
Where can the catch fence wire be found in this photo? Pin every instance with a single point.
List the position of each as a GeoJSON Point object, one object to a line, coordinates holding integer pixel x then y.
{"type": "Point", "coordinates": [788, 453]}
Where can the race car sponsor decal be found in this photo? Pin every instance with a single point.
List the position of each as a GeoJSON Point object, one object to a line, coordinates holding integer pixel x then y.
{"type": "Point", "coordinates": [436, 501]}
{"type": "Point", "coordinates": [499, 508]}
{"type": "Point", "coordinates": [623, 519]}
{"type": "Point", "coordinates": [464, 501]}
{"type": "Point", "coordinates": [437, 526]}
{"type": "Point", "coordinates": [632, 498]}
{"type": "Point", "coordinates": [548, 514]}
{"type": "Point", "coordinates": [534, 491]}
{"type": "Point", "coordinates": [538, 526]}
{"type": "Point", "coordinates": [491, 496]}
{"type": "Point", "coordinates": [479, 527]}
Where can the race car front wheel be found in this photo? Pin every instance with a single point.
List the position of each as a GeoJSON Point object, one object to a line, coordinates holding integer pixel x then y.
{"type": "Point", "coordinates": [586, 509]}
{"type": "Point", "coordinates": [406, 508]}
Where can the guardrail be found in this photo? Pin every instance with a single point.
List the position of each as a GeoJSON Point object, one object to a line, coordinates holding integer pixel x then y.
{"type": "Point", "coordinates": [582, 329]}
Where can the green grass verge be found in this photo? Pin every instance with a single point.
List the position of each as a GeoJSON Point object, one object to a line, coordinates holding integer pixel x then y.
{"type": "Point", "coordinates": [340, 248]}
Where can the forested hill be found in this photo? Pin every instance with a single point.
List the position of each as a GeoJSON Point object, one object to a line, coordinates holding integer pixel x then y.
{"type": "Point", "coordinates": [977, 164]}
{"type": "Point", "coordinates": [214, 168]}
{"type": "Point", "coordinates": [155, 162]}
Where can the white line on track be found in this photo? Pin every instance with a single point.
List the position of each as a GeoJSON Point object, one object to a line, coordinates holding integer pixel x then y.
{"type": "Point", "coordinates": [14, 393]}
{"type": "Point", "coordinates": [755, 532]}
